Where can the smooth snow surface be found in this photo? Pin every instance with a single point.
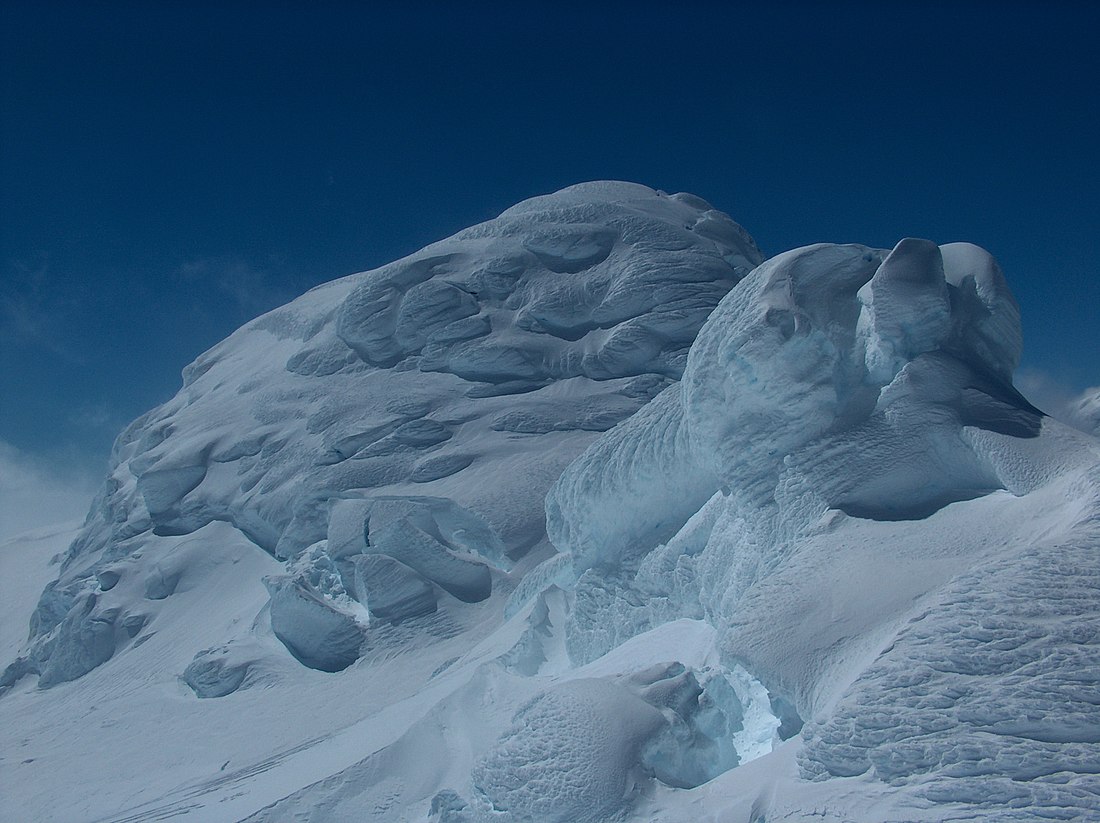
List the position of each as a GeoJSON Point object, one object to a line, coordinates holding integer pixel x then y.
{"type": "Point", "coordinates": [586, 513]}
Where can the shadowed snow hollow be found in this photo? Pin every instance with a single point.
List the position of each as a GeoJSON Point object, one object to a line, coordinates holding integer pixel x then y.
{"type": "Point", "coordinates": [585, 514]}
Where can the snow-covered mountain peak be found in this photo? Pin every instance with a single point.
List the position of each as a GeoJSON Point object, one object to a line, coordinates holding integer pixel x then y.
{"type": "Point", "coordinates": [587, 513]}
{"type": "Point", "coordinates": [504, 349]}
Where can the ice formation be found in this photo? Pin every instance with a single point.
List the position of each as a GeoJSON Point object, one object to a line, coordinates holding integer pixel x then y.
{"type": "Point", "coordinates": [587, 513]}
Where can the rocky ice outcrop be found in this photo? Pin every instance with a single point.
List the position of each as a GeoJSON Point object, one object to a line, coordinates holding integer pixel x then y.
{"type": "Point", "coordinates": [578, 748]}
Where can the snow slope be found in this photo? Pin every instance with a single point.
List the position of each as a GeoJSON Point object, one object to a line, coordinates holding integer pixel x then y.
{"type": "Point", "coordinates": [584, 514]}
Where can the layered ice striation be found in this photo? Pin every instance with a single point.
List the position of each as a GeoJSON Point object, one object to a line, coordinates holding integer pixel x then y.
{"type": "Point", "coordinates": [437, 397]}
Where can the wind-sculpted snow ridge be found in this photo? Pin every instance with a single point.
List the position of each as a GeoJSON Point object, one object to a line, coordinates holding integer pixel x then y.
{"type": "Point", "coordinates": [847, 486]}
{"type": "Point", "coordinates": [583, 515]}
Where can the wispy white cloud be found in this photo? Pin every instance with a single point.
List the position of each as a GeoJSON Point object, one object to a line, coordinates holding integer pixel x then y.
{"type": "Point", "coordinates": [252, 289]}
{"type": "Point", "coordinates": [99, 417]}
{"type": "Point", "coordinates": [35, 493]}
{"type": "Point", "coordinates": [31, 310]}
{"type": "Point", "coordinates": [1084, 412]}
{"type": "Point", "coordinates": [1080, 409]}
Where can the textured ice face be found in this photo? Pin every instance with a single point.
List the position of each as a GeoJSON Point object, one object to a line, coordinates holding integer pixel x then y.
{"type": "Point", "coordinates": [499, 353]}
{"type": "Point", "coordinates": [546, 291]}
{"type": "Point", "coordinates": [847, 370]}
{"type": "Point", "coordinates": [833, 377]}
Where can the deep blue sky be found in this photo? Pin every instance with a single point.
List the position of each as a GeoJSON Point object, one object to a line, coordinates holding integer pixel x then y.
{"type": "Point", "coordinates": [169, 170]}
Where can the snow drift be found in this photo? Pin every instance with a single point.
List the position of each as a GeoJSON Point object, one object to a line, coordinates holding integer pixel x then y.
{"type": "Point", "coordinates": [587, 513]}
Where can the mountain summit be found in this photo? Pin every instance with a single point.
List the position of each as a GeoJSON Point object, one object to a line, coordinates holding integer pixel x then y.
{"type": "Point", "coordinates": [587, 513]}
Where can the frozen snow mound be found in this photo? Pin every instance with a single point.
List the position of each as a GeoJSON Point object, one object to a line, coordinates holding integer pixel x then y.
{"type": "Point", "coordinates": [380, 420]}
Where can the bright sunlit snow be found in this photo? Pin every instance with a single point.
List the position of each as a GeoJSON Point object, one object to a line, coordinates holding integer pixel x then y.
{"type": "Point", "coordinates": [587, 513]}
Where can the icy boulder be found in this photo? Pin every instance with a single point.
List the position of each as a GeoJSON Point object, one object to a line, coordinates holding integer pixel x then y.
{"type": "Point", "coordinates": [426, 536]}
{"type": "Point", "coordinates": [468, 374]}
{"type": "Point", "coordinates": [216, 672]}
{"type": "Point", "coordinates": [390, 589]}
{"type": "Point", "coordinates": [85, 638]}
{"type": "Point", "coordinates": [318, 633]}
{"type": "Point", "coordinates": [541, 772]}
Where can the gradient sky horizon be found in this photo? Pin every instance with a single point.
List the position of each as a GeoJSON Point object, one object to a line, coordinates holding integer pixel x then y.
{"type": "Point", "coordinates": [170, 170]}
